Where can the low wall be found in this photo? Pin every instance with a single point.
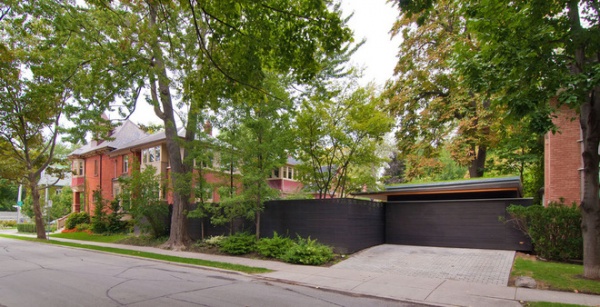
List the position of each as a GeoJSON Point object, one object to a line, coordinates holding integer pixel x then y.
{"type": "Point", "coordinates": [348, 225]}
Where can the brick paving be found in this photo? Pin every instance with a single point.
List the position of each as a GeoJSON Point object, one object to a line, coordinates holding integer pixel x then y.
{"type": "Point", "coordinates": [471, 265]}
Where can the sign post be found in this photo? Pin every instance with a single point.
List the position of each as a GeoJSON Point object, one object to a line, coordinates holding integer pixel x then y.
{"type": "Point", "coordinates": [19, 204]}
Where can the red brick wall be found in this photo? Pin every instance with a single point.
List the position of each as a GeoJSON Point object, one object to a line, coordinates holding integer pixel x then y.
{"type": "Point", "coordinates": [562, 159]}
{"type": "Point", "coordinates": [98, 177]}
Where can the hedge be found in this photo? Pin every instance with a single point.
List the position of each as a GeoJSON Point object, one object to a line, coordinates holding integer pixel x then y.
{"type": "Point", "coordinates": [555, 231]}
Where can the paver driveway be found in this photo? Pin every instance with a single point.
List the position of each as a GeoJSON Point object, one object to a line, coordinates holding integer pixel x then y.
{"type": "Point", "coordinates": [472, 265]}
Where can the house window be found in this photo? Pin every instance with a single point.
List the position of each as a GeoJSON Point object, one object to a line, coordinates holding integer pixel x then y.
{"type": "Point", "coordinates": [207, 161]}
{"type": "Point", "coordinates": [125, 164]}
{"type": "Point", "coordinates": [58, 191]}
{"type": "Point", "coordinates": [78, 167]}
{"type": "Point", "coordinates": [275, 173]}
{"type": "Point", "coordinates": [207, 194]}
{"type": "Point", "coordinates": [285, 171]}
{"type": "Point", "coordinates": [289, 172]}
{"type": "Point", "coordinates": [157, 153]}
{"type": "Point", "coordinates": [151, 155]}
{"type": "Point", "coordinates": [95, 167]}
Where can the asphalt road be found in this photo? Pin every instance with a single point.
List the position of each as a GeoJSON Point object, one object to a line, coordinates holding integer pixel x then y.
{"type": "Point", "coordinates": [37, 274]}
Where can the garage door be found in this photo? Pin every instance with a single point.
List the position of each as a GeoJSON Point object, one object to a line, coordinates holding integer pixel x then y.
{"type": "Point", "coordinates": [454, 223]}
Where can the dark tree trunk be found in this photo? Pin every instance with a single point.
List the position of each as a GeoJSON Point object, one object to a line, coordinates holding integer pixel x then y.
{"type": "Point", "coordinates": [590, 203]}
{"type": "Point", "coordinates": [179, 238]}
{"type": "Point", "coordinates": [589, 118]}
{"type": "Point", "coordinates": [37, 209]}
{"type": "Point", "coordinates": [477, 167]}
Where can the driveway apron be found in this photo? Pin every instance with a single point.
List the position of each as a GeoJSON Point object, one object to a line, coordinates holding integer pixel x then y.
{"type": "Point", "coordinates": [471, 265]}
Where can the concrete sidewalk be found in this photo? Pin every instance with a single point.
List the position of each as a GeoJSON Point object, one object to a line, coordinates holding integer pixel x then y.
{"type": "Point", "coordinates": [385, 284]}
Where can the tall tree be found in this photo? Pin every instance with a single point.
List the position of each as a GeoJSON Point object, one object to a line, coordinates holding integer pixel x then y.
{"type": "Point", "coordinates": [196, 54]}
{"type": "Point", "coordinates": [433, 108]}
{"type": "Point", "coordinates": [530, 52]}
{"type": "Point", "coordinates": [262, 141]}
{"type": "Point", "coordinates": [35, 86]}
{"type": "Point", "coordinates": [337, 130]}
{"type": "Point", "coordinates": [394, 171]}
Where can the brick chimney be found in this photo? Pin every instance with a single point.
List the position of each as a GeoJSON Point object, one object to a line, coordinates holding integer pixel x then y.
{"type": "Point", "coordinates": [208, 128]}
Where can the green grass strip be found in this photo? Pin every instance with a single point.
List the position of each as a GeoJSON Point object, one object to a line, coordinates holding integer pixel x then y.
{"type": "Point", "coordinates": [193, 261]}
{"type": "Point", "coordinates": [82, 236]}
{"type": "Point", "coordinates": [557, 276]}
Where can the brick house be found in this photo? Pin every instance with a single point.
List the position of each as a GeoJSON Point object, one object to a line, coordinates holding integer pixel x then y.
{"type": "Point", "coordinates": [286, 178]}
{"type": "Point", "coordinates": [99, 164]}
{"type": "Point", "coordinates": [563, 164]}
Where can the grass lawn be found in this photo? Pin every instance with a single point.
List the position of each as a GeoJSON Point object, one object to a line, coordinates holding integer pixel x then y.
{"type": "Point", "coordinates": [84, 236]}
{"type": "Point", "coordinates": [207, 263]}
{"type": "Point", "coordinates": [555, 276]}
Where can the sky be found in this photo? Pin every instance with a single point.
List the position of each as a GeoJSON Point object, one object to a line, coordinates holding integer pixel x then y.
{"type": "Point", "coordinates": [372, 21]}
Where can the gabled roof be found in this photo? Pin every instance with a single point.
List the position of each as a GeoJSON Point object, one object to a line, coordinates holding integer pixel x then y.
{"type": "Point", "coordinates": [123, 135]}
{"type": "Point", "coordinates": [155, 138]}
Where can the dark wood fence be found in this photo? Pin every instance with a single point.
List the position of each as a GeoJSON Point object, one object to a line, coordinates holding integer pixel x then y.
{"type": "Point", "coordinates": [348, 225]}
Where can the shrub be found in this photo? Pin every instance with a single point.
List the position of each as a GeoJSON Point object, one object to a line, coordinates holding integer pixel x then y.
{"type": "Point", "coordinates": [83, 227]}
{"type": "Point", "coordinates": [8, 224]}
{"type": "Point", "coordinates": [274, 247]}
{"type": "Point", "coordinates": [307, 251]}
{"type": "Point", "coordinates": [77, 218]}
{"type": "Point", "coordinates": [214, 240]}
{"type": "Point", "coordinates": [238, 244]}
{"type": "Point", "coordinates": [103, 222]}
{"type": "Point", "coordinates": [26, 227]}
{"type": "Point", "coordinates": [555, 231]}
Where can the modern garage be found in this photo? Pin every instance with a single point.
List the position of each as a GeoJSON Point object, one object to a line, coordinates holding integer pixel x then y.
{"type": "Point", "coordinates": [467, 213]}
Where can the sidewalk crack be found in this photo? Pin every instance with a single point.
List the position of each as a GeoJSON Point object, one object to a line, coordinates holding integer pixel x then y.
{"type": "Point", "coordinates": [428, 295]}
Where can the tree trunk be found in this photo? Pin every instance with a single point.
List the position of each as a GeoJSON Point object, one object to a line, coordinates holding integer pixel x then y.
{"type": "Point", "coordinates": [589, 119]}
{"type": "Point", "coordinates": [477, 167]}
{"type": "Point", "coordinates": [179, 238]}
{"type": "Point", "coordinates": [590, 203]}
{"type": "Point", "coordinates": [37, 209]}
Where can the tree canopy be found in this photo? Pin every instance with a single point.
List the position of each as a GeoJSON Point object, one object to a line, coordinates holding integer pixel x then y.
{"type": "Point", "coordinates": [194, 55]}
{"type": "Point", "coordinates": [528, 53]}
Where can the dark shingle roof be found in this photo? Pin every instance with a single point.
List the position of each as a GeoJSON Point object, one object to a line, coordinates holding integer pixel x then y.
{"type": "Point", "coordinates": [124, 134]}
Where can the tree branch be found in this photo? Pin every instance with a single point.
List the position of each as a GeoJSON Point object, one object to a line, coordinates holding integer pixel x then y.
{"type": "Point", "coordinates": [214, 62]}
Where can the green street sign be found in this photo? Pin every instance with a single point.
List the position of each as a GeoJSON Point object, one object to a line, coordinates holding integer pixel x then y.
{"type": "Point", "coordinates": [20, 203]}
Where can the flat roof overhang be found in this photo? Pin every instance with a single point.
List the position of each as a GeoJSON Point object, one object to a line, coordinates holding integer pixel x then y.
{"type": "Point", "coordinates": [486, 185]}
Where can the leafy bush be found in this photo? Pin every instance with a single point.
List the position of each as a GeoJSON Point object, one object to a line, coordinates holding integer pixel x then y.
{"type": "Point", "coordinates": [214, 240]}
{"type": "Point", "coordinates": [307, 251]}
{"type": "Point", "coordinates": [26, 227]}
{"type": "Point", "coordinates": [30, 228]}
{"type": "Point", "coordinates": [8, 224]}
{"type": "Point", "coordinates": [83, 227]}
{"type": "Point", "coordinates": [238, 244]}
{"type": "Point", "coordinates": [77, 218]}
{"type": "Point", "coordinates": [555, 231]}
{"type": "Point", "coordinates": [141, 198]}
{"type": "Point", "coordinates": [103, 222]}
{"type": "Point", "coordinates": [274, 247]}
